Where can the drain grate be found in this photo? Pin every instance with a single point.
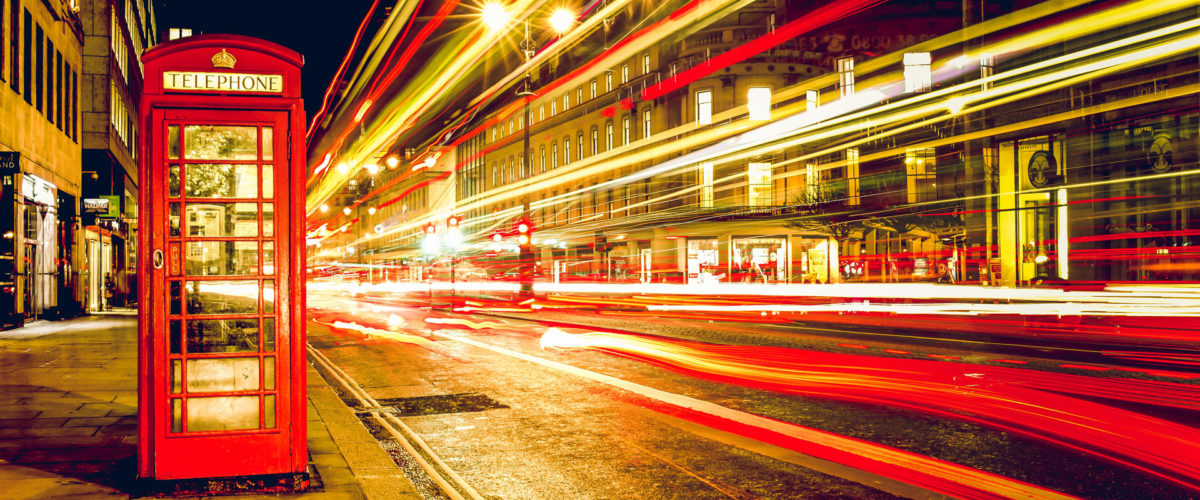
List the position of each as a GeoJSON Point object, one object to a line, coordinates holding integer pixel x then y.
{"type": "Point", "coordinates": [434, 405]}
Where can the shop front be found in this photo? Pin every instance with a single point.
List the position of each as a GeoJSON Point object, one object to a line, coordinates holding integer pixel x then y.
{"type": "Point", "coordinates": [759, 260]}
{"type": "Point", "coordinates": [703, 263]}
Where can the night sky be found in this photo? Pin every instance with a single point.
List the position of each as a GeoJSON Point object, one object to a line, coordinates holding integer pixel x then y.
{"type": "Point", "coordinates": [322, 31]}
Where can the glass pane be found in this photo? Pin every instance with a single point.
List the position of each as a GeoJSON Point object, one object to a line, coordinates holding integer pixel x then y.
{"type": "Point", "coordinates": [222, 219]}
{"type": "Point", "coordinates": [173, 142]}
{"type": "Point", "coordinates": [222, 297]}
{"type": "Point", "coordinates": [269, 296]}
{"type": "Point", "coordinates": [268, 143]}
{"type": "Point", "coordinates": [222, 413]}
{"type": "Point", "coordinates": [268, 219]}
{"type": "Point", "coordinates": [270, 411]}
{"type": "Point", "coordinates": [173, 181]}
{"type": "Point", "coordinates": [269, 373]}
{"type": "Point", "coordinates": [268, 181]}
{"type": "Point", "coordinates": [221, 335]}
{"type": "Point", "coordinates": [268, 256]}
{"type": "Point", "coordinates": [174, 219]}
{"type": "Point", "coordinates": [176, 296]}
{"type": "Point", "coordinates": [269, 334]}
{"type": "Point", "coordinates": [220, 142]}
{"type": "Point", "coordinates": [176, 376]}
{"type": "Point", "coordinates": [217, 258]}
{"type": "Point", "coordinates": [222, 374]}
{"type": "Point", "coordinates": [175, 333]}
{"type": "Point", "coordinates": [217, 180]}
{"type": "Point", "coordinates": [176, 415]}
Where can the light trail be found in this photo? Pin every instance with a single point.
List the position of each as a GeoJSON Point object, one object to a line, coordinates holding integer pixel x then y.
{"type": "Point", "coordinates": [1039, 405]}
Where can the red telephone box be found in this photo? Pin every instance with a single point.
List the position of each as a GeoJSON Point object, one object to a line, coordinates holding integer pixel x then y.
{"type": "Point", "coordinates": [221, 252]}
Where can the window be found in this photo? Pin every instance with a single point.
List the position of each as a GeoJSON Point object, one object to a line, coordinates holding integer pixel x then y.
{"type": "Point", "coordinates": [14, 38]}
{"type": "Point", "coordinates": [566, 150]}
{"type": "Point", "coordinates": [704, 107]}
{"type": "Point", "coordinates": [645, 64]}
{"type": "Point", "coordinates": [625, 128]}
{"type": "Point", "coordinates": [646, 123]}
{"type": "Point", "coordinates": [759, 189]}
{"type": "Point", "coordinates": [495, 175]}
{"type": "Point", "coordinates": [758, 101]}
{"type": "Point", "coordinates": [177, 33]}
{"type": "Point", "coordinates": [493, 133]}
{"type": "Point", "coordinates": [60, 96]}
{"type": "Point", "coordinates": [917, 75]}
{"type": "Point", "coordinates": [852, 176]}
{"type": "Point", "coordinates": [578, 96]}
{"type": "Point", "coordinates": [919, 165]}
{"type": "Point", "coordinates": [845, 68]}
{"type": "Point", "coordinates": [579, 145]}
{"type": "Point", "coordinates": [27, 64]}
{"type": "Point", "coordinates": [593, 89]}
{"type": "Point", "coordinates": [706, 185]}
{"type": "Point", "coordinates": [553, 108]}
{"type": "Point", "coordinates": [554, 155]}
{"type": "Point", "coordinates": [595, 141]}
{"type": "Point", "coordinates": [566, 101]}
{"type": "Point", "coordinates": [512, 169]}
{"type": "Point", "coordinates": [51, 98]}
{"type": "Point", "coordinates": [510, 127]}
{"type": "Point", "coordinates": [624, 74]}
{"type": "Point", "coordinates": [812, 100]}
{"type": "Point", "coordinates": [987, 68]}
{"type": "Point", "coordinates": [608, 140]}
{"type": "Point", "coordinates": [608, 81]}
{"type": "Point", "coordinates": [542, 113]}
{"type": "Point", "coordinates": [542, 166]}
{"type": "Point", "coordinates": [40, 69]}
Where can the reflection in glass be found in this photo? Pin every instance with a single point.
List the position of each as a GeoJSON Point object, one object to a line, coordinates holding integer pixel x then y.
{"type": "Point", "coordinates": [176, 415]}
{"type": "Point", "coordinates": [268, 253]}
{"type": "Point", "coordinates": [269, 296]}
{"type": "Point", "coordinates": [268, 181]}
{"type": "Point", "coordinates": [268, 144]}
{"type": "Point", "coordinates": [174, 219]}
{"type": "Point", "coordinates": [173, 142]}
{"type": "Point", "coordinates": [268, 219]}
{"type": "Point", "coordinates": [175, 332]}
{"type": "Point", "coordinates": [218, 258]}
{"type": "Point", "coordinates": [176, 296]}
{"type": "Point", "coordinates": [176, 376]}
{"type": "Point", "coordinates": [173, 181]}
{"type": "Point", "coordinates": [224, 413]}
{"type": "Point", "coordinates": [269, 334]}
{"type": "Point", "coordinates": [220, 142]}
{"type": "Point", "coordinates": [222, 180]}
{"type": "Point", "coordinates": [270, 411]}
{"type": "Point", "coordinates": [222, 374]}
{"type": "Point", "coordinates": [269, 373]}
{"type": "Point", "coordinates": [222, 219]}
{"type": "Point", "coordinates": [222, 335]}
{"type": "Point", "coordinates": [222, 297]}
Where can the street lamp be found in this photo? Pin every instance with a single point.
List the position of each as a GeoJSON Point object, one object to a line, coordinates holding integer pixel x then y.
{"type": "Point", "coordinates": [494, 15]}
{"type": "Point", "coordinates": [561, 20]}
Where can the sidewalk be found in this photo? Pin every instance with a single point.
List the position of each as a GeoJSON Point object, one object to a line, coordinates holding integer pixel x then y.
{"type": "Point", "coordinates": [68, 419]}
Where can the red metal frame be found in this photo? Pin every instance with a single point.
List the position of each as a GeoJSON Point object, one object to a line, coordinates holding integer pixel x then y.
{"type": "Point", "coordinates": [221, 453]}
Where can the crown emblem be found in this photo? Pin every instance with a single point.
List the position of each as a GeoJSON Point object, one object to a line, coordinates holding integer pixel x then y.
{"type": "Point", "coordinates": [223, 59]}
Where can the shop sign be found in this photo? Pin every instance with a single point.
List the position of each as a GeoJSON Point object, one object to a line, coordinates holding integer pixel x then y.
{"type": "Point", "coordinates": [95, 205]}
{"type": "Point", "coordinates": [10, 162]}
{"type": "Point", "coordinates": [114, 205]}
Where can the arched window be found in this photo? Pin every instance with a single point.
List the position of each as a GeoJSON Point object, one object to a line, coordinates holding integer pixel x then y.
{"type": "Point", "coordinates": [566, 150]}
{"type": "Point", "coordinates": [608, 138]}
{"type": "Point", "coordinates": [595, 141]}
{"type": "Point", "coordinates": [554, 154]}
{"type": "Point", "coordinates": [543, 164]}
{"type": "Point", "coordinates": [579, 145]}
{"type": "Point", "coordinates": [495, 175]}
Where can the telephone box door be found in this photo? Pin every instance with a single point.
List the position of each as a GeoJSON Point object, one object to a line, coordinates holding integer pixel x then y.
{"type": "Point", "coordinates": [220, 293]}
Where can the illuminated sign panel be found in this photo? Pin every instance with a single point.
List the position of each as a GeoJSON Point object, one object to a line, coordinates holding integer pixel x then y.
{"type": "Point", "coordinates": [222, 82]}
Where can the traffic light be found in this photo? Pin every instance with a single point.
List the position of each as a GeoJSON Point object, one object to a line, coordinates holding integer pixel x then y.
{"type": "Point", "coordinates": [524, 233]}
{"type": "Point", "coordinates": [452, 222]}
{"type": "Point", "coordinates": [430, 228]}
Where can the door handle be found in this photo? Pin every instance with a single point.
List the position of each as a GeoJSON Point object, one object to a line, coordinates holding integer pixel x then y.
{"type": "Point", "coordinates": [158, 259]}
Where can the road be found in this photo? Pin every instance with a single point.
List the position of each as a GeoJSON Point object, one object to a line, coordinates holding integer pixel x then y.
{"type": "Point", "coordinates": [568, 403]}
